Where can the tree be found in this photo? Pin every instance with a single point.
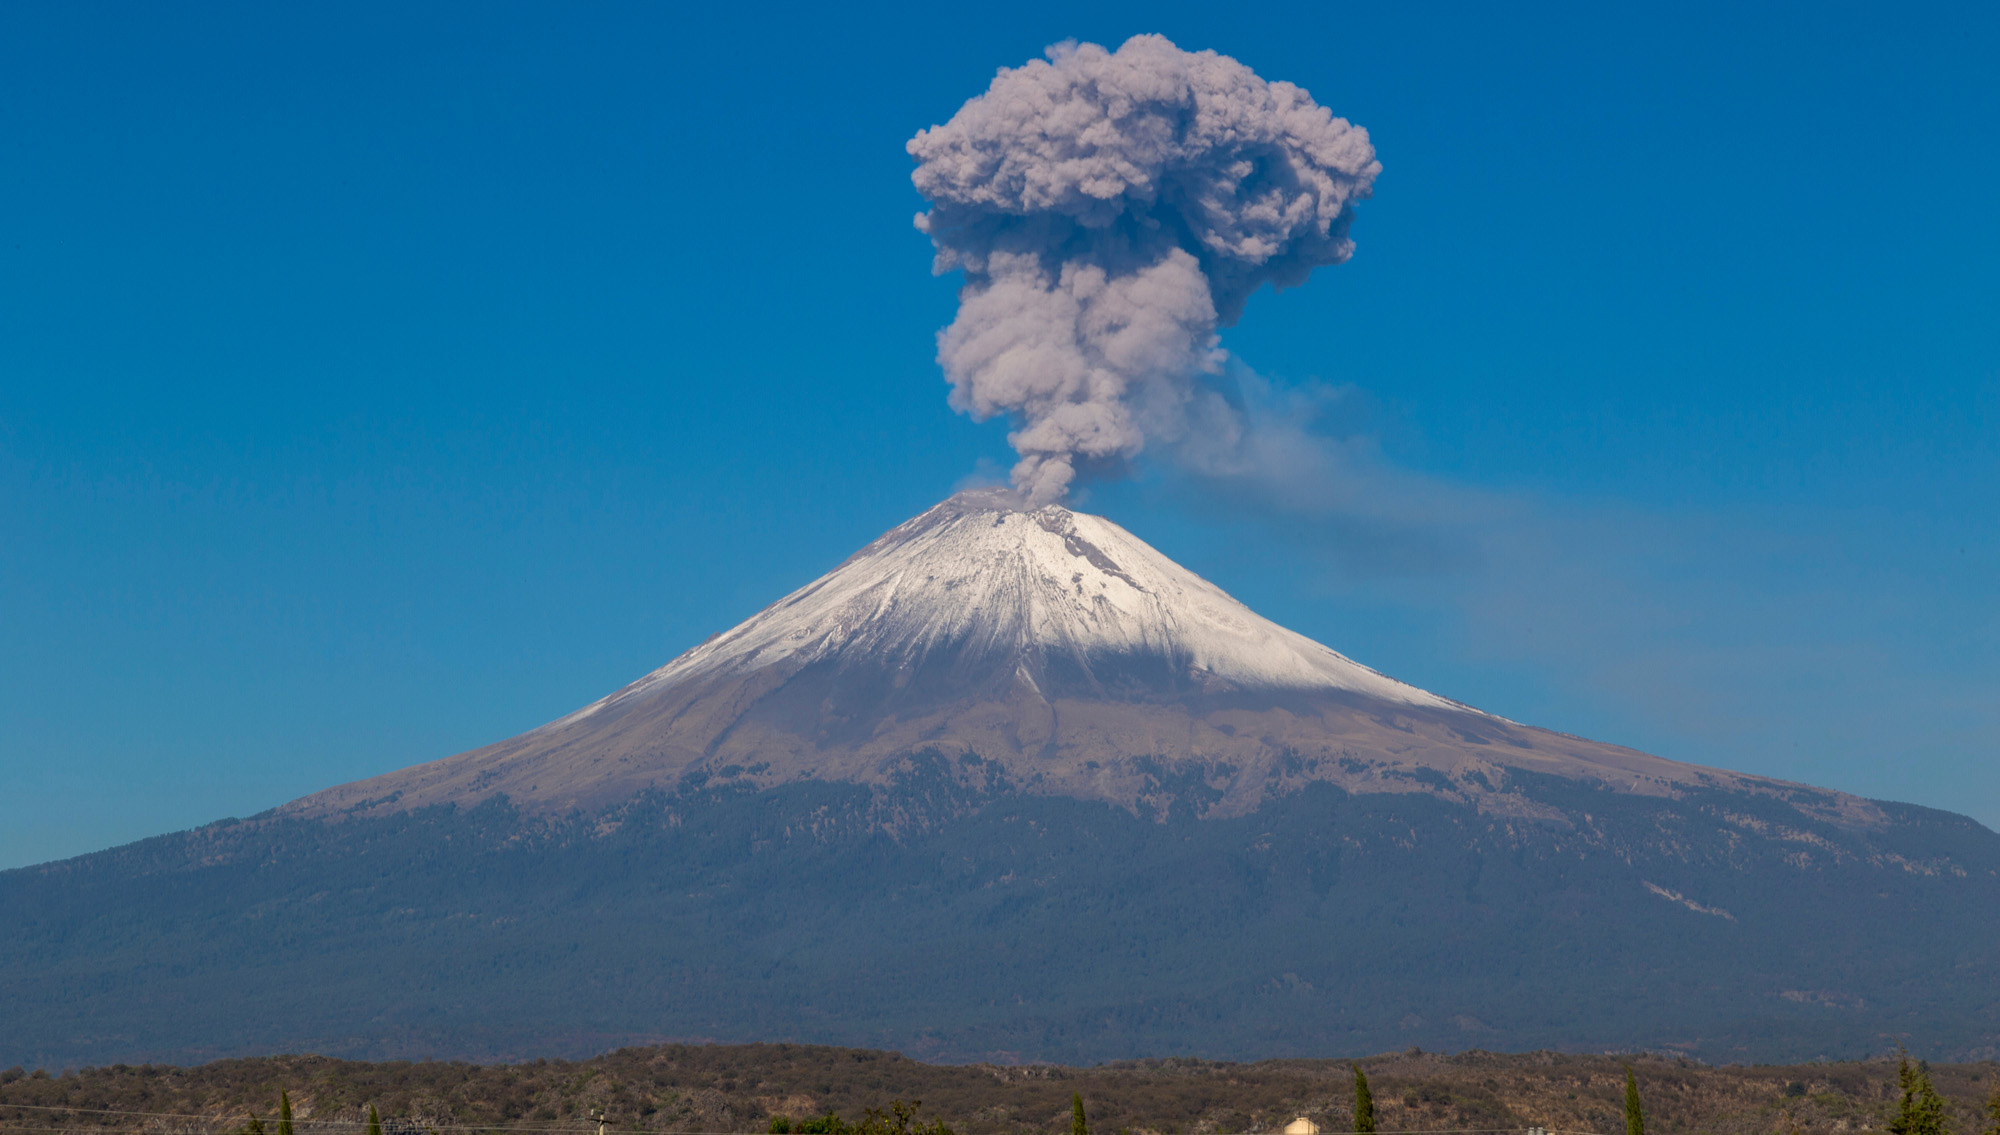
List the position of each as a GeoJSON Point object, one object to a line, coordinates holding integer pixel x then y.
{"type": "Point", "coordinates": [1921, 1111]}
{"type": "Point", "coordinates": [1635, 1118]}
{"type": "Point", "coordinates": [284, 1113]}
{"type": "Point", "coordinates": [1077, 1124]}
{"type": "Point", "coordinates": [1364, 1104]}
{"type": "Point", "coordinates": [374, 1121]}
{"type": "Point", "coordinates": [1993, 1110]}
{"type": "Point", "coordinates": [896, 1121]}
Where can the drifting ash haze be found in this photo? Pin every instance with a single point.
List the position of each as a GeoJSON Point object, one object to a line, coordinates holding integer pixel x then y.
{"type": "Point", "coordinates": [1043, 650]}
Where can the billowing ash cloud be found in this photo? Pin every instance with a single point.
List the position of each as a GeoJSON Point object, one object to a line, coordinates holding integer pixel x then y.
{"type": "Point", "coordinates": [1111, 210]}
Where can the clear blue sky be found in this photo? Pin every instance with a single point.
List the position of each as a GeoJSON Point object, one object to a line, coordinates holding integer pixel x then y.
{"type": "Point", "coordinates": [378, 381]}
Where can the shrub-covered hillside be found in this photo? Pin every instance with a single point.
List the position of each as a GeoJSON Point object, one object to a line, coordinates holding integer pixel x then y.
{"type": "Point", "coordinates": [742, 1088]}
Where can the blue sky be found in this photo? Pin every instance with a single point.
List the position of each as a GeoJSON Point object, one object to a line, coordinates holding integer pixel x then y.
{"type": "Point", "coordinates": [376, 383]}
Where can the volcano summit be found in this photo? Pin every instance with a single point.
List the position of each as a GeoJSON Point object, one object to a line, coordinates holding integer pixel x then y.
{"type": "Point", "coordinates": [1010, 784]}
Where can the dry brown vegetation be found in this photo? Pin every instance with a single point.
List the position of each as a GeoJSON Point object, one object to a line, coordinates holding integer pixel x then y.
{"type": "Point", "coordinates": [739, 1088]}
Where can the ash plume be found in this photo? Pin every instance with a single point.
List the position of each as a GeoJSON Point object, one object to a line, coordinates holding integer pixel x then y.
{"type": "Point", "coordinates": [1111, 211]}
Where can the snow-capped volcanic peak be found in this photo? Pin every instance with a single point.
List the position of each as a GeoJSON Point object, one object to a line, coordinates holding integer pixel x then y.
{"type": "Point", "coordinates": [1018, 649]}
{"type": "Point", "coordinates": [980, 580]}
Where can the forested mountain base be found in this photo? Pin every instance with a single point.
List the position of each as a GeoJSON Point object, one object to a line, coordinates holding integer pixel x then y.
{"type": "Point", "coordinates": [742, 1088]}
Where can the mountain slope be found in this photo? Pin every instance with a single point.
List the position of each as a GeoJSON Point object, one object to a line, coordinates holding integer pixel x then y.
{"type": "Point", "coordinates": [1062, 651]}
{"type": "Point", "coordinates": [1009, 784]}
{"type": "Point", "coordinates": [1014, 926]}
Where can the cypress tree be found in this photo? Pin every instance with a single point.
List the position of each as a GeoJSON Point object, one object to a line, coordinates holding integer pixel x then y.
{"type": "Point", "coordinates": [374, 1121]}
{"type": "Point", "coordinates": [1077, 1125]}
{"type": "Point", "coordinates": [1635, 1118]}
{"type": "Point", "coordinates": [284, 1113]}
{"type": "Point", "coordinates": [1921, 1111]}
{"type": "Point", "coordinates": [1364, 1104]}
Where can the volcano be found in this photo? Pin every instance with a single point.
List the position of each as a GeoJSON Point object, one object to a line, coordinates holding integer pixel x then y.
{"type": "Point", "coordinates": [1055, 652]}
{"type": "Point", "coordinates": [1010, 784]}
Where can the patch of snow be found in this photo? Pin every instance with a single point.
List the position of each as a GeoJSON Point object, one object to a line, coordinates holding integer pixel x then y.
{"type": "Point", "coordinates": [1698, 908]}
{"type": "Point", "coordinates": [979, 573]}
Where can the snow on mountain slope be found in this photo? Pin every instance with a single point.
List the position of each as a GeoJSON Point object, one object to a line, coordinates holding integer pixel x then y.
{"type": "Point", "coordinates": [979, 576]}
{"type": "Point", "coordinates": [1042, 650]}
